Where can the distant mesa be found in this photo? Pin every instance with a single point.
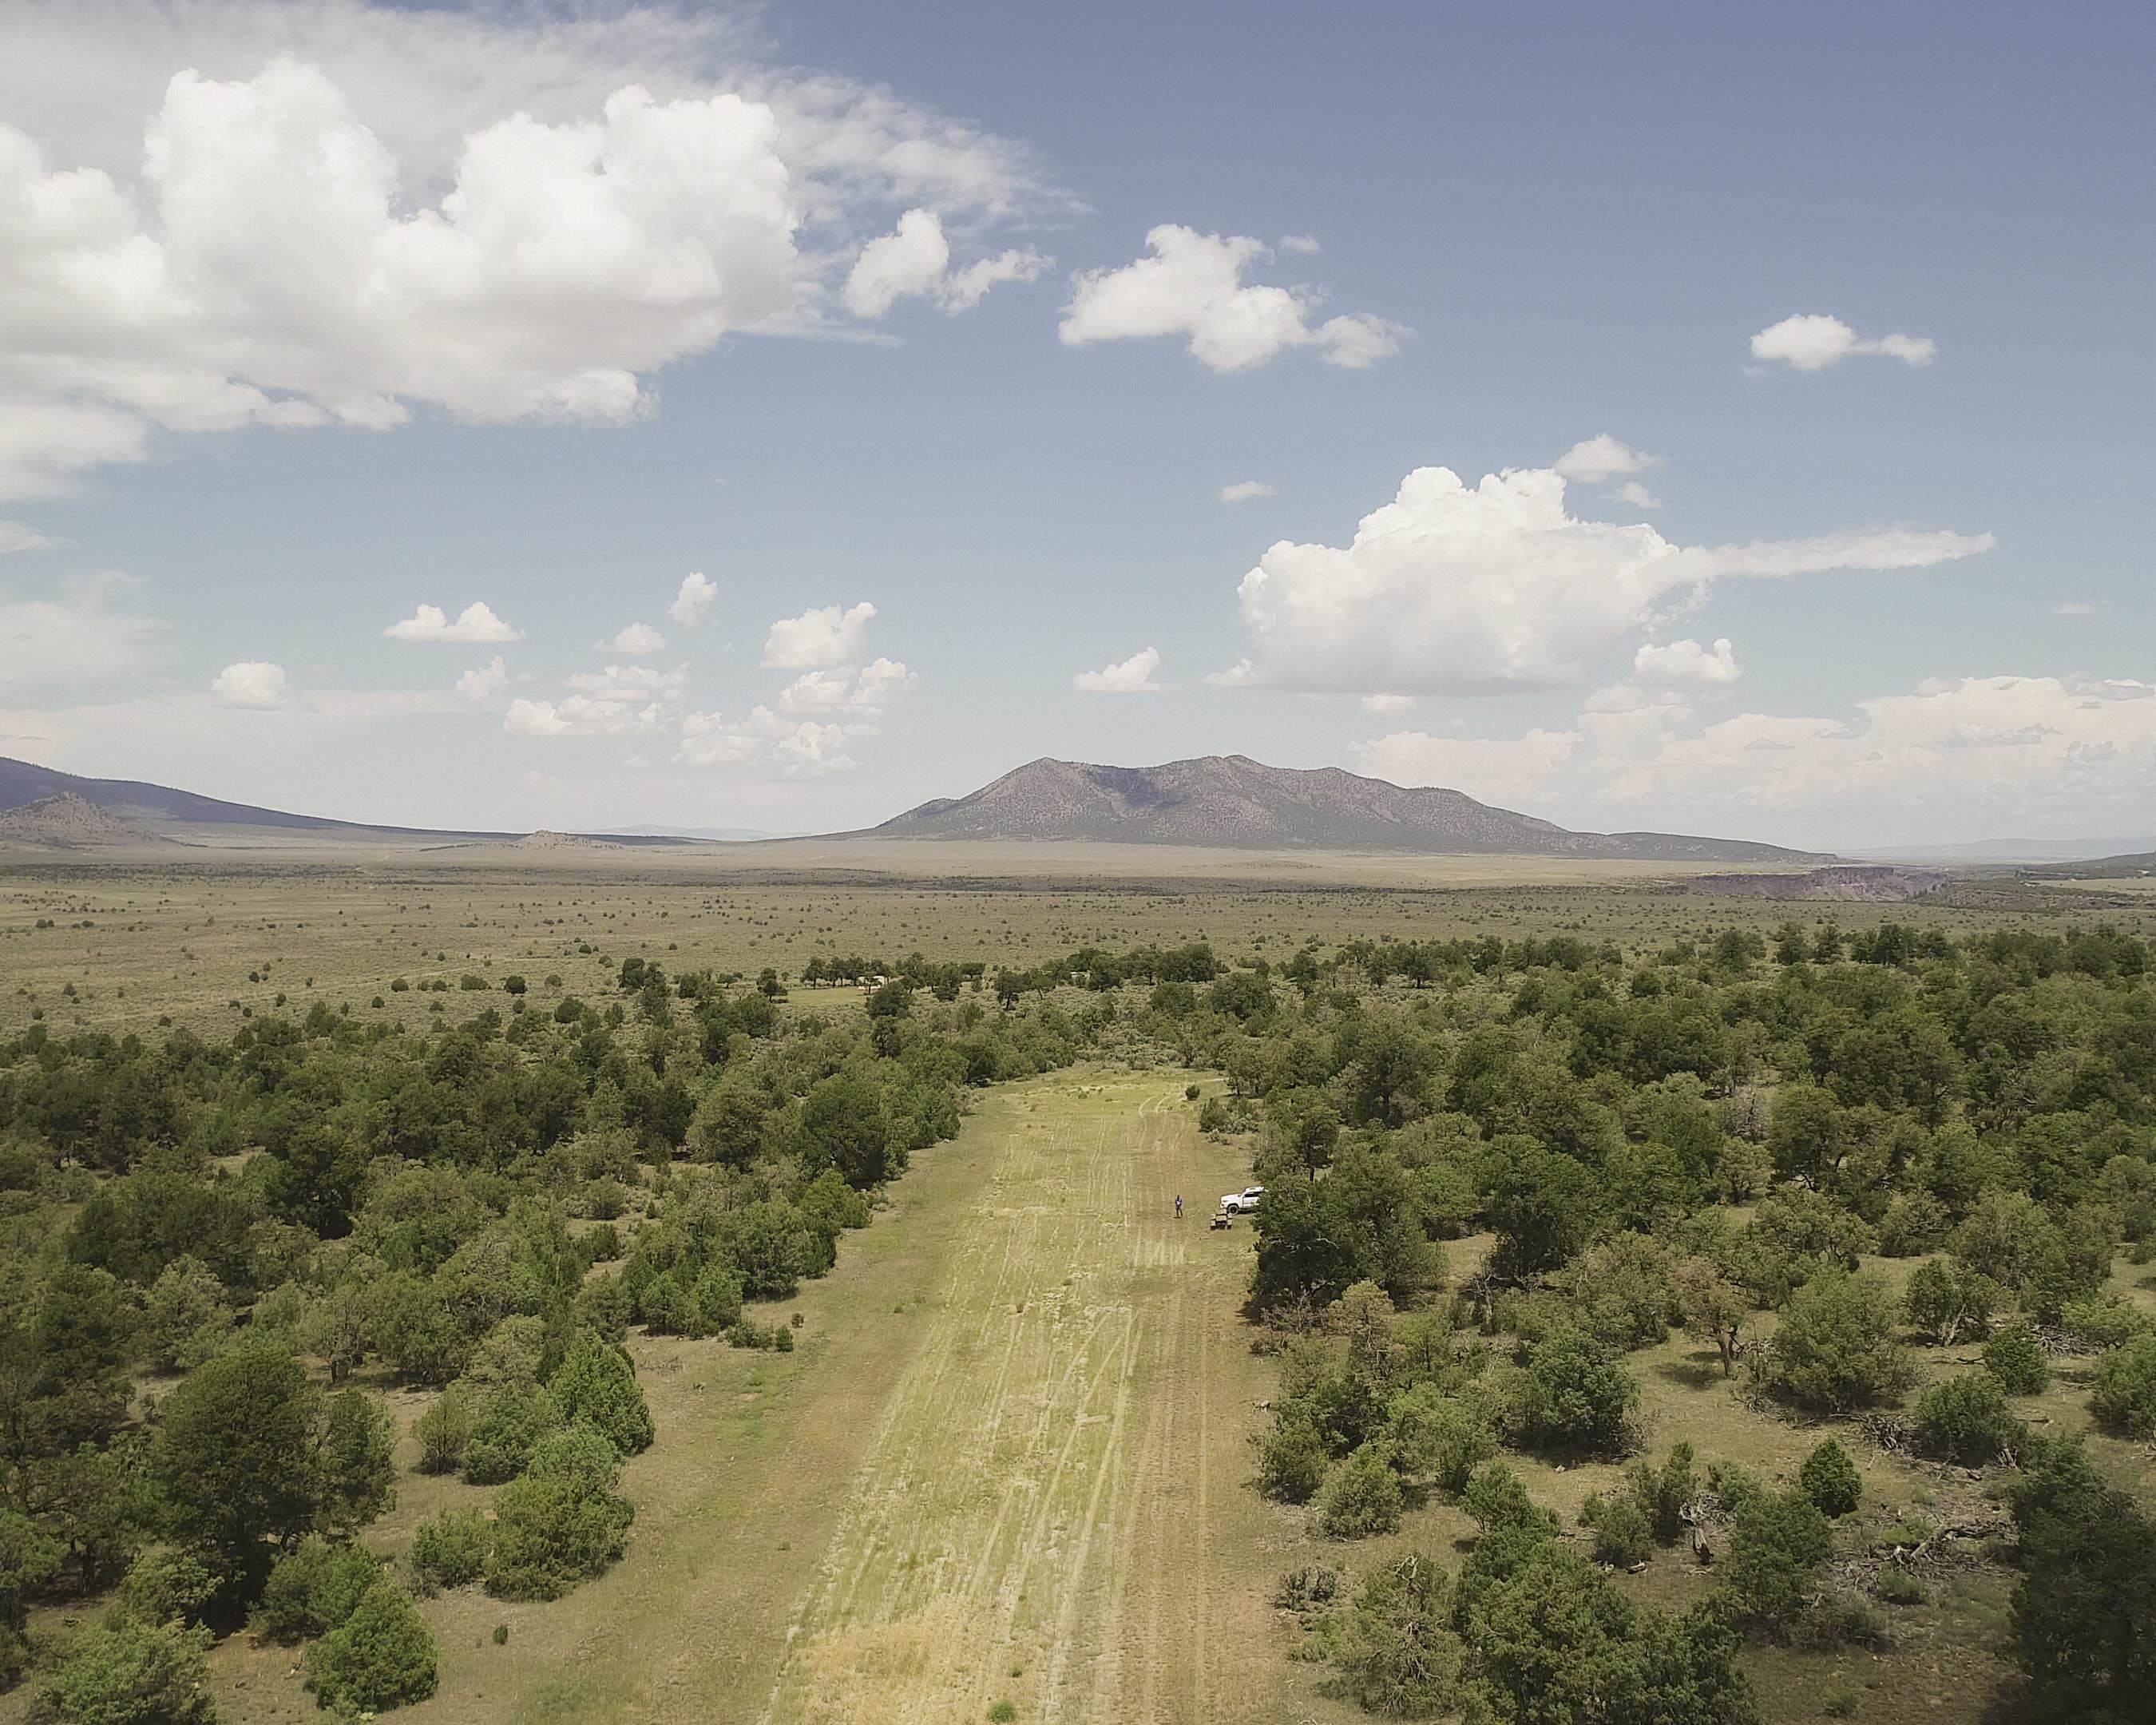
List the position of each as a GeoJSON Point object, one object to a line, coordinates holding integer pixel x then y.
{"type": "Point", "coordinates": [1235, 802]}
{"type": "Point", "coordinates": [545, 840]}
{"type": "Point", "coordinates": [66, 821]}
{"type": "Point", "coordinates": [1848, 883]}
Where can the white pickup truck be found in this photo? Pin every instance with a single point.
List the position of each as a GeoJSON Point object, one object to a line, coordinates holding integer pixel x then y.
{"type": "Point", "coordinates": [1241, 1203]}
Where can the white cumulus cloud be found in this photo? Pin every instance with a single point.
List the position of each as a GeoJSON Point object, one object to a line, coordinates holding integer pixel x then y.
{"type": "Point", "coordinates": [1244, 489]}
{"type": "Point", "coordinates": [344, 212]}
{"type": "Point", "coordinates": [476, 624]}
{"type": "Point", "coordinates": [1686, 664]}
{"type": "Point", "coordinates": [1451, 587]}
{"type": "Point", "coordinates": [1978, 749]}
{"type": "Point", "coordinates": [45, 643]}
{"type": "Point", "coordinates": [1386, 704]}
{"type": "Point", "coordinates": [1637, 495]}
{"type": "Point", "coordinates": [1134, 676]}
{"type": "Point", "coordinates": [621, 700]}
{"type": "Point", "coordinates": [254, 685]}
{"type": "Point", "coordinates": [1811, 341]}
{"type": "Point", "coordinates": [694, 598]}
{"type": "Point", "coordinates": [482, 684]}
{"type": "Point", "coordinates": [914, 262]}
{"type": "Point", "coordinates": [819, 638]}
{"type": "Point", "coordinates": [1193, 285]}
{"type": "Point", "coordinates": [1600, 458]}
{"type": "Point", "coordinates": [634, 638]}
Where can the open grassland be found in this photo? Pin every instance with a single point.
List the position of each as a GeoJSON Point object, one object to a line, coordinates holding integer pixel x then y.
{"type": "Point", "coordinates": [123, 947]}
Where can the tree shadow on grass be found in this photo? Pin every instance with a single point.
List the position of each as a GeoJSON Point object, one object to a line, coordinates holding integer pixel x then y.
{"type": "Point", "coordinates": [1695, 1371]}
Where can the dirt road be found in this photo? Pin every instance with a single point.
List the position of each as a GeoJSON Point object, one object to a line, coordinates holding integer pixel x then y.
{"type": "Point", "coordinates": [1038, 1515]}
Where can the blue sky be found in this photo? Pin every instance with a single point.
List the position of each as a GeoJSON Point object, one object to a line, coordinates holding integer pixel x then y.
{"type": "Point", "coordinates": [1533, 228]}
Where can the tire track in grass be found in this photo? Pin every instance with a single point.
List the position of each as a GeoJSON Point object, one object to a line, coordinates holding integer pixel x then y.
{"type": "Point", "coordinates": [1030, 1519]}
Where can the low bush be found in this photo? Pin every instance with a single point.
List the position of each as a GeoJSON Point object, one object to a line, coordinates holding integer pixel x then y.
{"type": "Point", "coordinates": [315, 1586]}
{"type": "Point", "coordinates": [1965, 1419]}
{"type": "Point", "coordinates": [381, 1657]}
{"type": "Point", "coordinates": [451, 1550]}
{"type": "Point", "coordinates": [2124, 1399]}
{"type": "Point", "coordinates": [1829, 1477]}
{"type": "Point", "coordinates": [2016, 1360]}
{"type": "Point", "coordinates": [1361, 1496]}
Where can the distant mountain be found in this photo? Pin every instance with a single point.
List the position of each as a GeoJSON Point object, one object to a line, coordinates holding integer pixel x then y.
{"type": "Point", "coordinates": [2101, 868]}
{"type": "Point", "coordinates": [2013, 850]}
{"type": "Point", "coordinates": [155, 811]}
{"type": "Point", "coordinates": [1235, 803]}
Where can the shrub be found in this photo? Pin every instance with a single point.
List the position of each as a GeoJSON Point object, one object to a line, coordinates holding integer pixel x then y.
{"type": "Point", "coordinates": [1664, 1493]}
{"type": "Point", "coordinates": [504, 1427]}
{"type": "Point", "coordinates": [1438, 1437]}
{"type": "Point", "coordinates": [1394, 1646]}
{"type": "Point", "coordinates": [1361, 1496]}
{"type": "Point", "coordinates": [2014, 1358]}
{"type": "Point", "coordinates": [598, 1385]}
{"type": "Point", "coordinates": [444, 1431]}
{"type": "Point", "coordinates": [315, 1586]}
{"type": "Point", "coordinates": [165, 1585]}
{"type": "Point", "coordinates": [2124, 1399]}
{"type": "Point", "coordinates": [562, 1521]}
{"type": "Point", "coordinates": [1622, 1536]}
{"type": "Point", "coordinates": [381, 1657]}
{"type": "Point", "coordinates": [1946, 1297]}
{"type": "Point", "coordinates": [1965, 1419]}
{"type": "Point", "coordinates": [1292, 1460]}
{"type": "Point", "coordinates": [1495, 1499]}
{"type": "Point", "coordinates": [2103, 1321]}
{"type": "Point", "coordinates": [358, 1469]}
{"type": "Point", "coordinates": [1776, 1546]}
{"type": "Point", "coordinates": [1835, 1349]}
{"type": "Point", "coordinates": [451, 1550]}
{"type": "Point", "coordinates": [1577, 1394]}
{"type": "Point", "coordinates": [2082, 1618]}
{"type": "Point", "coordinates": [1897, 1586]}
{"type": "Point", "coordinates": [1830, 1478]}
{"type": "Point", "coordinates": [133, 1672]}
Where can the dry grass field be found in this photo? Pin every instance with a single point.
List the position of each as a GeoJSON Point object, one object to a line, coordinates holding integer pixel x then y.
{"type": "Point", "coordinates": [122, 946]}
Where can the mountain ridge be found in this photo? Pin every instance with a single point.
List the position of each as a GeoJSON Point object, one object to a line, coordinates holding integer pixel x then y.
{"type": "Point", "coordinates": [1233, 802]}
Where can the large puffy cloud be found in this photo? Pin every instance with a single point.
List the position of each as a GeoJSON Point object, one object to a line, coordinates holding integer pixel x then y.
{"type": "Point", "coordinates": [1976, 749]}
{"type": "Point", "coordinates": [254, 686]}
{"type": "Point", "coordinates": [819, 638]}
{"type": "Point", "coordinates": [1812, 340]}
{"type": "Point", "coordinates": [1193, 285]}
{"type": "Point", "coordinates": [500, 211]}
{"type": "Point", "coordinates": [1135, 675]}
{"type": "Point", "coordinates": [476, 623]}
{"type": "Point", "coordinates": [279, 284]}
{"type": "Point", "coordinates": [914, 262]}
{"type": "Point", "coordinates": [1451, 587]}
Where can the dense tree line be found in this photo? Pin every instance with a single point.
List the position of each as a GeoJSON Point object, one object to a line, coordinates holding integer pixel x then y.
{"type": "Point", "coordinates": [1684, 1141]}
{"type": "Point", "coordinates": [216, 1253]}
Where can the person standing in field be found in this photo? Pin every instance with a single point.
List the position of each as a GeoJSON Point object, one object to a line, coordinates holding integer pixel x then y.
{"type": "Point", "coordinates": [1179, 1206]}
